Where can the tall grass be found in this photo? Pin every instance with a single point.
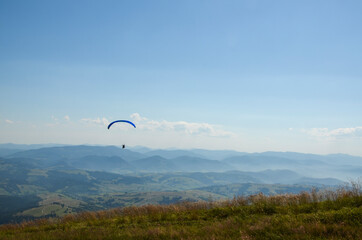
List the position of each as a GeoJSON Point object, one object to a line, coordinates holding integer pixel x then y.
{"type": "Point", "coordinates": [316, 214]}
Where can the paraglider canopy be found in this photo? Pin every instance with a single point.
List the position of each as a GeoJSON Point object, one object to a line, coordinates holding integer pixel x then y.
{"type": "Point", "coordinates": [125, 121]}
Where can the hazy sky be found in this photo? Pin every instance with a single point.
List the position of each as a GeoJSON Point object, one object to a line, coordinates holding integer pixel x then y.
{"type": "Point", "coordinates": [245, 75]}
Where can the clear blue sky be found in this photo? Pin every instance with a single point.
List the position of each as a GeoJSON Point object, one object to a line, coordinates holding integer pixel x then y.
{"type": "Point", "coordinates": [245, 75]}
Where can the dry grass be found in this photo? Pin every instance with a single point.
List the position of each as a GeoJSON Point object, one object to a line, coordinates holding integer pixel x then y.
{"type": "Point", "coordinates": [307, 215]}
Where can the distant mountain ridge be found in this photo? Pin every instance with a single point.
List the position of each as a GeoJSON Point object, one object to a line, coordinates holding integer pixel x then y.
{"type": "Point", "coordinates": [56, 180]}
{"type": "Point", "coordinates": [73, 152]}
{"type": "Point", "coordinates": [310, 165]}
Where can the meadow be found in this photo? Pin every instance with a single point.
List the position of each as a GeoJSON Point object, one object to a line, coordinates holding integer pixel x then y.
{"type": "Point", "coordinates": [326, 214]}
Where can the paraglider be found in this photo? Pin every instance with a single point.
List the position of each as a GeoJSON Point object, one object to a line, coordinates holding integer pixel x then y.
{"type": "Point", "coordinates": [125, 121]}
{"type": "Point", "coordinates": [122, 121]}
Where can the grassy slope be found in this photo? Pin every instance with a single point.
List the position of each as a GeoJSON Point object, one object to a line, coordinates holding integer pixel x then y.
{"type": "Point", "coordinates": [327, 215]}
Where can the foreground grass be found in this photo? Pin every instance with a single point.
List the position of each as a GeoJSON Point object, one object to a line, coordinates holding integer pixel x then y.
{"type": "Point", "coordinates": [308, 215]}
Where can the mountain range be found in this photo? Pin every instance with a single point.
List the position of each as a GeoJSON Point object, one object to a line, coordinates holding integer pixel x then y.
{"type": "Point", "coordinates": [118, 160]}
{"type": "Point", "coordinates": [79, 178]}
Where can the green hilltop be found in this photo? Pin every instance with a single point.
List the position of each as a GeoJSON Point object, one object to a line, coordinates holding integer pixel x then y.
{"type": "Point", "coordinates": [308, 215]}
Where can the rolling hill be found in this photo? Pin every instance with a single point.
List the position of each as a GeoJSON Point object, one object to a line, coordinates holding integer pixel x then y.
{"type": "Point", "coordinates": [58, 180]}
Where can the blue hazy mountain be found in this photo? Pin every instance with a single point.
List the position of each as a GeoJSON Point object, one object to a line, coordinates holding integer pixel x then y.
{"type": "Point", "coordinates": [197, 164]}
{"type": "Point", "coordinates": [217, 154]}
{"type": "Point", "coordinates": [7, 149]}
{"type": "Point", "coordinates": [172, 153]}
{"type": "Point", "coordinates": [115, 159]}
{"type": "Point", "coordinates": [154, 164]}
{"type": "Point", "coordinates": [74, 152]}
{"type": "Point", "coordinates": [102, 163]}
